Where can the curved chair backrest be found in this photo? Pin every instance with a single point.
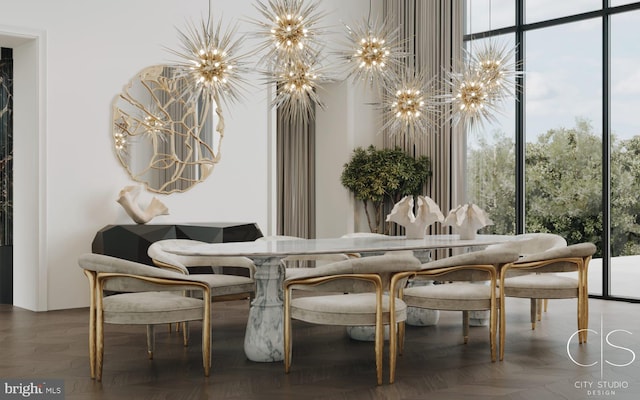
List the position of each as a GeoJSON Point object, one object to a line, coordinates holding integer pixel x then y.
{"type": "Point", "coordinates": [555, 257]}
{"type": "Point", "coordinates": [157, 253]}
{"type": "Point", "coordinates": [102, 264]}
{"type": "Point", "coordinates": [384, 265]}
{"type": "Point", "coordinates": [492, 256]}
{"type": "Point", "coordinates": [532, 243]}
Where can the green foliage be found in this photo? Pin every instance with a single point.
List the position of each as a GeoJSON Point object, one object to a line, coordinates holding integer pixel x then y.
{"type": "Point", "coordinates": [563, 188]}
{"type": "Point", "coordinates": [378, 175]}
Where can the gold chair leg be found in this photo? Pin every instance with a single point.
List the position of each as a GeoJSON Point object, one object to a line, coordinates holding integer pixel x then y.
{"type": "Point", "coordinates": [493, 324]}
{"type": "Point", "coordinates": [393, 339]}
{"type": "Point", "coordinates": [583, 298]}
{"type": "Point", "coordinates": [92, 322]}
{"type": "Point", "coordinates": [401, 333]}
{"type": "Point", "coordinates": [493, 318]}
{"type": "Point", "coordinates": [396, 341]}
{"type": "Point", "coordinates": [539, 309]}
{"type": "Point", "coordinates": [546, 304]}
{"type": "Point", "coordinates": [534, 313]}
{"type": "Point", "coordinates": [151, 341]}
{"type": "Point", "coordinates": [379, 341]}
{"type": "Point", "coordinates": [379, 344]}
{"type": "Point", "coordinates": [185, 334]}
{"type": "Point", "coordinates": [465, 326]}
{"type": "Point", "coordinates": [503, 326]}
{"type": "Point", "coordinates": [287, 331]}
{"type": "Point", "coordinates": [99, 337]}
{"type": "Point", "coordinates": [206, 337]}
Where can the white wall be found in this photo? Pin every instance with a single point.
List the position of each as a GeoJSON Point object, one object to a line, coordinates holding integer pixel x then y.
{"type": "Point", "coordinates": [351, 119]}
{"type": "Point", "coordinates": [348, 121]}
{"type": "Point", "coordinates": [79, 55]}
{"type": "Point", "coordinates": [93, 48]}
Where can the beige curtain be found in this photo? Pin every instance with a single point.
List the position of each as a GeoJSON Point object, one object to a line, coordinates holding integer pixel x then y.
{"type": "Point", "coordinates": [296, 177]}
{"type": "Point", "coordinates": [433, 32]}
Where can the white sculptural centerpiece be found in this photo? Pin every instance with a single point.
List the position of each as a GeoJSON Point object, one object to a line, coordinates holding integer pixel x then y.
{"type": "Point", "coordinates": [415, 225]}
{"type": "Point", "coordinates": [128, 199]}
{"type": "Point", "coordinates": [467, 219]}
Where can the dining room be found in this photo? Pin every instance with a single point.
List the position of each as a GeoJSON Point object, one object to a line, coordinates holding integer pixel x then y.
{"type": "Point", "coordinates": [354, 129]}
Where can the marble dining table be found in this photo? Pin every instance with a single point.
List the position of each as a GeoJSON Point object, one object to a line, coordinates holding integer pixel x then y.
{"type": "Point", "coordinates": [263, 340]}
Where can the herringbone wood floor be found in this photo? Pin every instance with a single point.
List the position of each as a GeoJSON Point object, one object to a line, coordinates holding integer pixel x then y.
{"type": "Point", "coordinates": [329, 365]}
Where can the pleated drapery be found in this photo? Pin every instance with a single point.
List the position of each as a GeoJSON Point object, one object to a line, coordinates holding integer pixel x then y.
{"type": "Point", "coordinates": [296, 151]}
{"type": "Point", "coordinates": [432, 31]}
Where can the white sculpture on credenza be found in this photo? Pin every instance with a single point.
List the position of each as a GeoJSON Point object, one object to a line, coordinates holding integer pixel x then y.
{"type": "Point", "coordinates": [128, 199]}
{"type": "Point", "coordinates": [467, 219]}
{"type": "Point", "coordinates": [415, 225]}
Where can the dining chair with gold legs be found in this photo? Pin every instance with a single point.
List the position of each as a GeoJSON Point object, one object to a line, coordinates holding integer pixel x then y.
{"type": "Point", "coordinates": [463, 293]}
{"type": "Point", "coordinates": [225, 286]}
{"type": "Point", "coordinates": [141, 295]}
{"type": "Point", "coordinates": [354, 292]}
{"type": "Point", "coordinates": [538, 276]}
{"type": "Point", "coordinates": [528, 244]}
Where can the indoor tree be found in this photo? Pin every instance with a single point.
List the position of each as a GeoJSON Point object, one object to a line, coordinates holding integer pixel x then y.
{"type": "Point", "coordinates": [376, 176]}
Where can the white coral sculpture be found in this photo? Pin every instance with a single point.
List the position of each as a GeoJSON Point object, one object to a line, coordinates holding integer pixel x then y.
{"type": "Point", "coordinates": [468, 219]}
{"type": "Point", "coordinates": [415, 225]}
{"type": "Point", "coordinates": [128, 199]}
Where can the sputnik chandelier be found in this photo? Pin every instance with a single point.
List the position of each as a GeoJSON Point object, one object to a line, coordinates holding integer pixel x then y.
{"type": "Point", "coordinates": [495, 64]}
{"type": "Point", "coordinates": [297, 83]}
{"type": "Point", "coordinates": [409, 105]}
{"type": "Point", "coordinates": [210, 63]}
{"type": "Point", "coordinates": [290, 43]}
{"type": "Point", "coordinates": [484, 80]}
{"type": "Point", "coordinates": [289, 30]}
{"type": "Point", "coordinates": [290, 47]}
{"type": "Point", "coordinates": [469, 97]}
{"type": "Point", "coordinates": [373, 53]}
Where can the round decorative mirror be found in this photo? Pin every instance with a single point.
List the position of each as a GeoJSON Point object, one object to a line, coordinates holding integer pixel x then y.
{"type": "Point", "coordinates": [162, 136]}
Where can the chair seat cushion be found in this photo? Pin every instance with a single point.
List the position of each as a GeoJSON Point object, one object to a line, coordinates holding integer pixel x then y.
{"type": "Point", "coordinates": [294, 273]}
{"type": "Point", "coordinates": [541, 281]}
{"type": "Point", "coordinates": [222, 285]}
{"type": "Point", "coordinates": [344, 309]}
{"type": "Point", "coordinates": [541, 286]}
{"type": "Point", "coordinates": [449, 296]}
{"type": "Point", "coordinates": [151, 308]}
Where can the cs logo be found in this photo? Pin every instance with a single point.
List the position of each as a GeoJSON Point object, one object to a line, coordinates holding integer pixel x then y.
{"type": "Point", "coordinates": [609, 341]}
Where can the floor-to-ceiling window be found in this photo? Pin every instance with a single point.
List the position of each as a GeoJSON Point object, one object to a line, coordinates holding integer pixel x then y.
{"type": "Point", "coordinates": [564, 156]}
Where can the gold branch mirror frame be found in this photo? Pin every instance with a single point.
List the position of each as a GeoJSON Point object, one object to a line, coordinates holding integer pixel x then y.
{"type": "Point", "coordinates": [165, 139]}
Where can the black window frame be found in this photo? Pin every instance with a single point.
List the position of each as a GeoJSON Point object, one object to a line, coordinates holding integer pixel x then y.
{"type": "Point", "coordinates": [519, 29]}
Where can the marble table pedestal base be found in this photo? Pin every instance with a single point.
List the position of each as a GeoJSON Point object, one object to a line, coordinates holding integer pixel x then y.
{"type": "Point", "coordinates": [264, 337]}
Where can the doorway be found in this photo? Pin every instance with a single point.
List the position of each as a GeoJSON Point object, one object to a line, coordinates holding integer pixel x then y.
{"type": "Point", "coordinates": [6, 176]}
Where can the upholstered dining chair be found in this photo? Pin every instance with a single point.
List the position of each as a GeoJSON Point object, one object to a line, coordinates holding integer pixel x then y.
{"type": "Point", "coordinates": [542, 281]}
{"type": "Point", "coordinates": [357, 298]}
{"type": "Point", "coordinates": [225, 286]}
{"type": "Point", "coordinates": [144, 295]}
{"type": "Point", "coordinates": [461, 293]}
{"type": "Point", "coordinates": [526, 245]}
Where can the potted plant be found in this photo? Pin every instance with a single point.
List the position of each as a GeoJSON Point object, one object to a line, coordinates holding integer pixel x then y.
{"type": "Point", "coordinates": [376, 176]}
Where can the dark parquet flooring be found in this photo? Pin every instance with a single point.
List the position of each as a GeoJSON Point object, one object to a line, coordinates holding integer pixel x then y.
{"type": "Point", "coordinates": [329, 365]}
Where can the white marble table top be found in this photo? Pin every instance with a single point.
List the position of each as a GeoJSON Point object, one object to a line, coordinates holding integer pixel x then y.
{"type": "Point", "coordinates": [282, 248]}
